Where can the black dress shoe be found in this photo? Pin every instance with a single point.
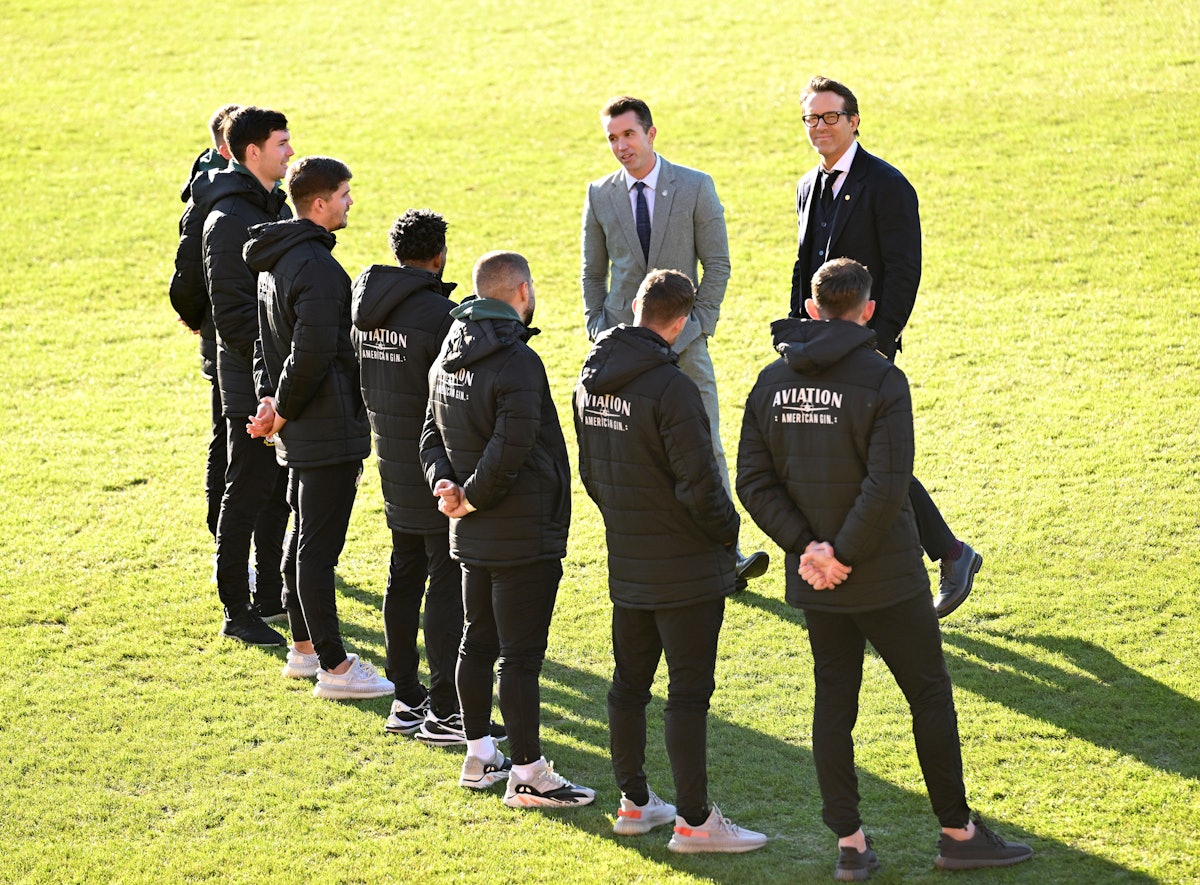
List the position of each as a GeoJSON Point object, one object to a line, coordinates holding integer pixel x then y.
{"type": "Point", "coordinates": [958, 576]}
{"type": "Point", "coordinates": [753, 566]}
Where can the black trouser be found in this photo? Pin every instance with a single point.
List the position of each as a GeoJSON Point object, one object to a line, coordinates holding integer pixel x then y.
{"type": "Point", "coordinates": [214, 472]}
{"type": "Point", "coordinates": [506, 613]}
{"type": "Point", "coordinates": [321, 498]}
{"type": "Point", "coordinates": [936, 537]}
{"type": "Point", "coordinates": [688, 636]}
{"type": "Point", "coordinates": [907, 637]}
{"type": "Point", "coordinates": [415, 558]}
{"type": "Point", "coordinates": [253, 504]}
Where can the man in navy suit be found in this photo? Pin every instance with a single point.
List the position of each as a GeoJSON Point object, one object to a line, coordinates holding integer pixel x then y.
{"type": "Point", "coordinates": [651, 214]}
{"type": "Point", "coordinates": [854, 205]}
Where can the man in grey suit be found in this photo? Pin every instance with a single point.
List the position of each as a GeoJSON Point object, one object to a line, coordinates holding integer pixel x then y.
{"type": "Point", "coordinates": [652, 214]}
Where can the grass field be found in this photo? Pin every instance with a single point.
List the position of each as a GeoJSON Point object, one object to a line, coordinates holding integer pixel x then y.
{"type": "Point", "coordinates": [1050, 352]}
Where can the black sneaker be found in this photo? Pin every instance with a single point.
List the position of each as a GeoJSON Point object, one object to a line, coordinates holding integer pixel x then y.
{"type": "Point", "coordinates": [854, 865]}
{"type": "Point", "coordinates": [448, 731]}
{"type": "Point", "coordinates": [248, 627]}
{"type": "Point", "coordinates": [984, 849]}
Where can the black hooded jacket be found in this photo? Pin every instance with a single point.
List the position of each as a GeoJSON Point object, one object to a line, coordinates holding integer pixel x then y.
{"type": "Point", "coordinates": [306, 358]}
{"type": "Point", "coordinates": [401, 316]}
{"type": "Point", "coordinates": [646, 459]}
{"type": "Point", "coordinates": [188, 291]}
{"type": "Point", "coordinates": [238, 203]}
{"type": "Point", "coordinates": [492, 428]}
{"type": "Point", "coordinates": [826, 454]}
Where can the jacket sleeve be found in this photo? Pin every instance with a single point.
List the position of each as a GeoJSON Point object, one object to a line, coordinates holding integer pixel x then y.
{"type": "Point", "coordinates": [319, 295]}
{"type": "Point", "coordinates": [687, 441]}
{"type": "Point", "coordinates": [762, 491]}
{"type": "Point", "coordinates": [519, 386]}
{"type": "Point", "coordinates": [889, 473]}
{"type": "Point", "coordinates": [189, 296]}
{"type": "Point", "coordinates": [712, 250]}
{"type": "Point", "coordinates": [594, 277]}
{"type": "Point", "coordinates": [898, 232]}
{"type": "Point", "coordinates": [434, 461]}
{"type": "Point", "coordinates": [231, 283]}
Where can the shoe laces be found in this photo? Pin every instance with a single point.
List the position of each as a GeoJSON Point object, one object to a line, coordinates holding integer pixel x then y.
{"type": "Point", "coordinates": [993, 838]}
{"type": "Point", "coordinates": [548, 773]}
{"type": "Point", "coordinates": [365, 669]}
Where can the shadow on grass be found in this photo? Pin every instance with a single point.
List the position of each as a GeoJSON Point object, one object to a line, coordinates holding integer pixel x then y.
{"type": "Point", "coordinates": [763, 783]}
{"type": "Point", "coordinates": [1094, 696]}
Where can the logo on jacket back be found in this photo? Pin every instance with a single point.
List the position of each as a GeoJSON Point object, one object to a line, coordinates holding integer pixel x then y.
{"type": "Point", "coordinates": [386, 345]}
{"type": "Point", "coordinates": [806, 405]}
{"type": "Point", "coordinates": [453, 386]}
{"type": "Point", "coordinates": [605, 410]}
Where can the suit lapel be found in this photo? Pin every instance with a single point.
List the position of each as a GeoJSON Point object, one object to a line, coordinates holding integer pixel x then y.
{"type": "Point", "coordinates": [618, 196]}
{"type": "Point", "coordinates": [850, 194]}
{"type": "Point", "coordinates": [663, 197]}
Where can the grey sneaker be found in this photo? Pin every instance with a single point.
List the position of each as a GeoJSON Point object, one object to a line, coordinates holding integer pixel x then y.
{"type": "Point", "coordinates": [299, 665]}
{"type": "Point", "coordinates": [715, 834]}
{"type": "Point", "coordinates": [546, 788]}
{"type": "Point", "coordinates": [854, 865]}
{"type": "Point", "coordinates": [634, 820]}
{"type": "Point", "coordinates": [984, 849]}
{"type": "Point", "coordinates": [360, 682]}
{"type": "Point", "coordinates": [404, 719]}
{"type": "Point", "coordinates": [478, 774]}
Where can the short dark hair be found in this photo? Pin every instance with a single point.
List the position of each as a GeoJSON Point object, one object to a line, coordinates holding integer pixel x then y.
{"type": "Point", "coordinates": [251, 125]}
{"type": "Point", "coordinates": [824, 84]}
{"type": "Point", "coordinates": [497, 274]}
{"type": "Point", "coordinates": [665, 296]}
{"type": "Point", "coordinates": [840, 287]}
{"type": "Point", "coordinates": [418, 235]}
{"type": "Point", "coordinates": [622, 104]}
{"type": "Point", "coordinates": [218, 121]}
{"type": "Point", "coordinates": [314, 177]}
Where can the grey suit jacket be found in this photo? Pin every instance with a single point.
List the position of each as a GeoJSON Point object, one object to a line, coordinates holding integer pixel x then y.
{"type": "Point", "coordinates": [688, 229]}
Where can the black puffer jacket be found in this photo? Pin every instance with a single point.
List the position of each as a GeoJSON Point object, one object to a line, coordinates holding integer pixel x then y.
{"type": "Point", "coordinates": [646, 459]}
{"type": "Point", "coordinates": [238, 203]}
{"type": "Point", "coordinates": [401, 316]}
{"type": "Point", "coordinates": [492, 428]}
{"type": "Point", "coordinates": [827, 454]}
{"type": "Point", "coordinates": [307, 359]}
{"type": "Point", "coordinates": [189, 294]}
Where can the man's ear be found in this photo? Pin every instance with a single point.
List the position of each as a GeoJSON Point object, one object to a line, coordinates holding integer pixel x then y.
{"type": "Point", "coordinates": [868, 312]}
{"type": "Point", "coordinates": [810, 307]}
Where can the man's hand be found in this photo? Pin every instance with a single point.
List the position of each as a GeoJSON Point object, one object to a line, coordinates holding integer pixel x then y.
{"type": "Point", "coordinates": [819, 566]}
{"type": "Point", "coordinates": [452, 501]}
{"type": "Point", "coordinates": [266, 422]}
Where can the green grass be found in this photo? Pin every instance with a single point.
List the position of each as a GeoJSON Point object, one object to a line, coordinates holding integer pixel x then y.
{"type": "Point", "coordinates": [1050, 352]}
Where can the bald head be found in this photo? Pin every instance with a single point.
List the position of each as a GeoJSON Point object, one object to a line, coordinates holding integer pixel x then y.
{"type": "Point", "coordinates": [505, 276]}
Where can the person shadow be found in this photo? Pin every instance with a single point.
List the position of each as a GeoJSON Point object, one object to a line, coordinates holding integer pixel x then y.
{"type": "Point", "coordinates": [1082, 688]}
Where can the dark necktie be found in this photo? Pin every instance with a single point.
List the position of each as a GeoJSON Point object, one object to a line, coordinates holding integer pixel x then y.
{"type": "Point", "coordinates": [827, 180]}
{"type": "Point", "coordinates": [642, 218]}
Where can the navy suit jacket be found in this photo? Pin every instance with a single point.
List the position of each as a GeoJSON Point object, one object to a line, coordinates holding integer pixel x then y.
{"type": "Point", "coordinates": [877, 223]}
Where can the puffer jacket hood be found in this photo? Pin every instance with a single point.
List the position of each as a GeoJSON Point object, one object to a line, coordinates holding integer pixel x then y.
{"type": "Point", "coordinates": [812, 346]}
{"type": "Point", "coordinates": [208, 161]}
{"type": "Point", "coordinates": [270, 242]}
{"type": "Point", "coordinates": [471, 340]}
{"type": "Point", "coordinates": [381, 288]}
{"type": "Point", "coordinates": [616, 359]}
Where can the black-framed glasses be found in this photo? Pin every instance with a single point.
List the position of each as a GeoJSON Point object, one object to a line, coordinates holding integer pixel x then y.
{"type": "Point", "coordinates": [830, 118]}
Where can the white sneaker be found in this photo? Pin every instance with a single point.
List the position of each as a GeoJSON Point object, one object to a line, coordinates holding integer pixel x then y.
{"type": "Point", "coordinates": [716, 834]}
{"type": "Point", "coordinates": [634, 820]}
{"type": "Point", "coordinates": [479, 774]}
{"type": "Point", "coordinates": [547, 787]}
{"type": "Point", "coordinates": [404, 719]}
{"type": "Point", "coordinates": [299, 665]}
{"type": "Point", "coordinates": [359, 682]}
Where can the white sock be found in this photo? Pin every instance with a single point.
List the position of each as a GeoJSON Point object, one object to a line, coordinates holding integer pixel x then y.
{"type": "Point", "coordinates": [526, 772]}
{"type": "Point", "coordinates": [482, 748]}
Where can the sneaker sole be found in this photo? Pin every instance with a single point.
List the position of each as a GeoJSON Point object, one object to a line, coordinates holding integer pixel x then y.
{"type": "Point", "coordinates": [321, 690]}
{"type": "Point", "coordinates": [626, 827]}
{"type": "Point", "coordinates": [703, 846]}
{"type": "Point", "coordinates": [964, 863]}
{"type": "Point", "coordinates": [854, 875]}
{"type": "Point", "coordinates": [525, 800]}
{"type": "Point", "coordinates": [485, 782]}
{"type": "Point", "coordinates": [440, 740]}
{"type": "Point", "coordinates": [279, 618]}
{"type": "Point", "coordinates": [401, 729]}
{"type": "Point", "coordinates": [290, 672]}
